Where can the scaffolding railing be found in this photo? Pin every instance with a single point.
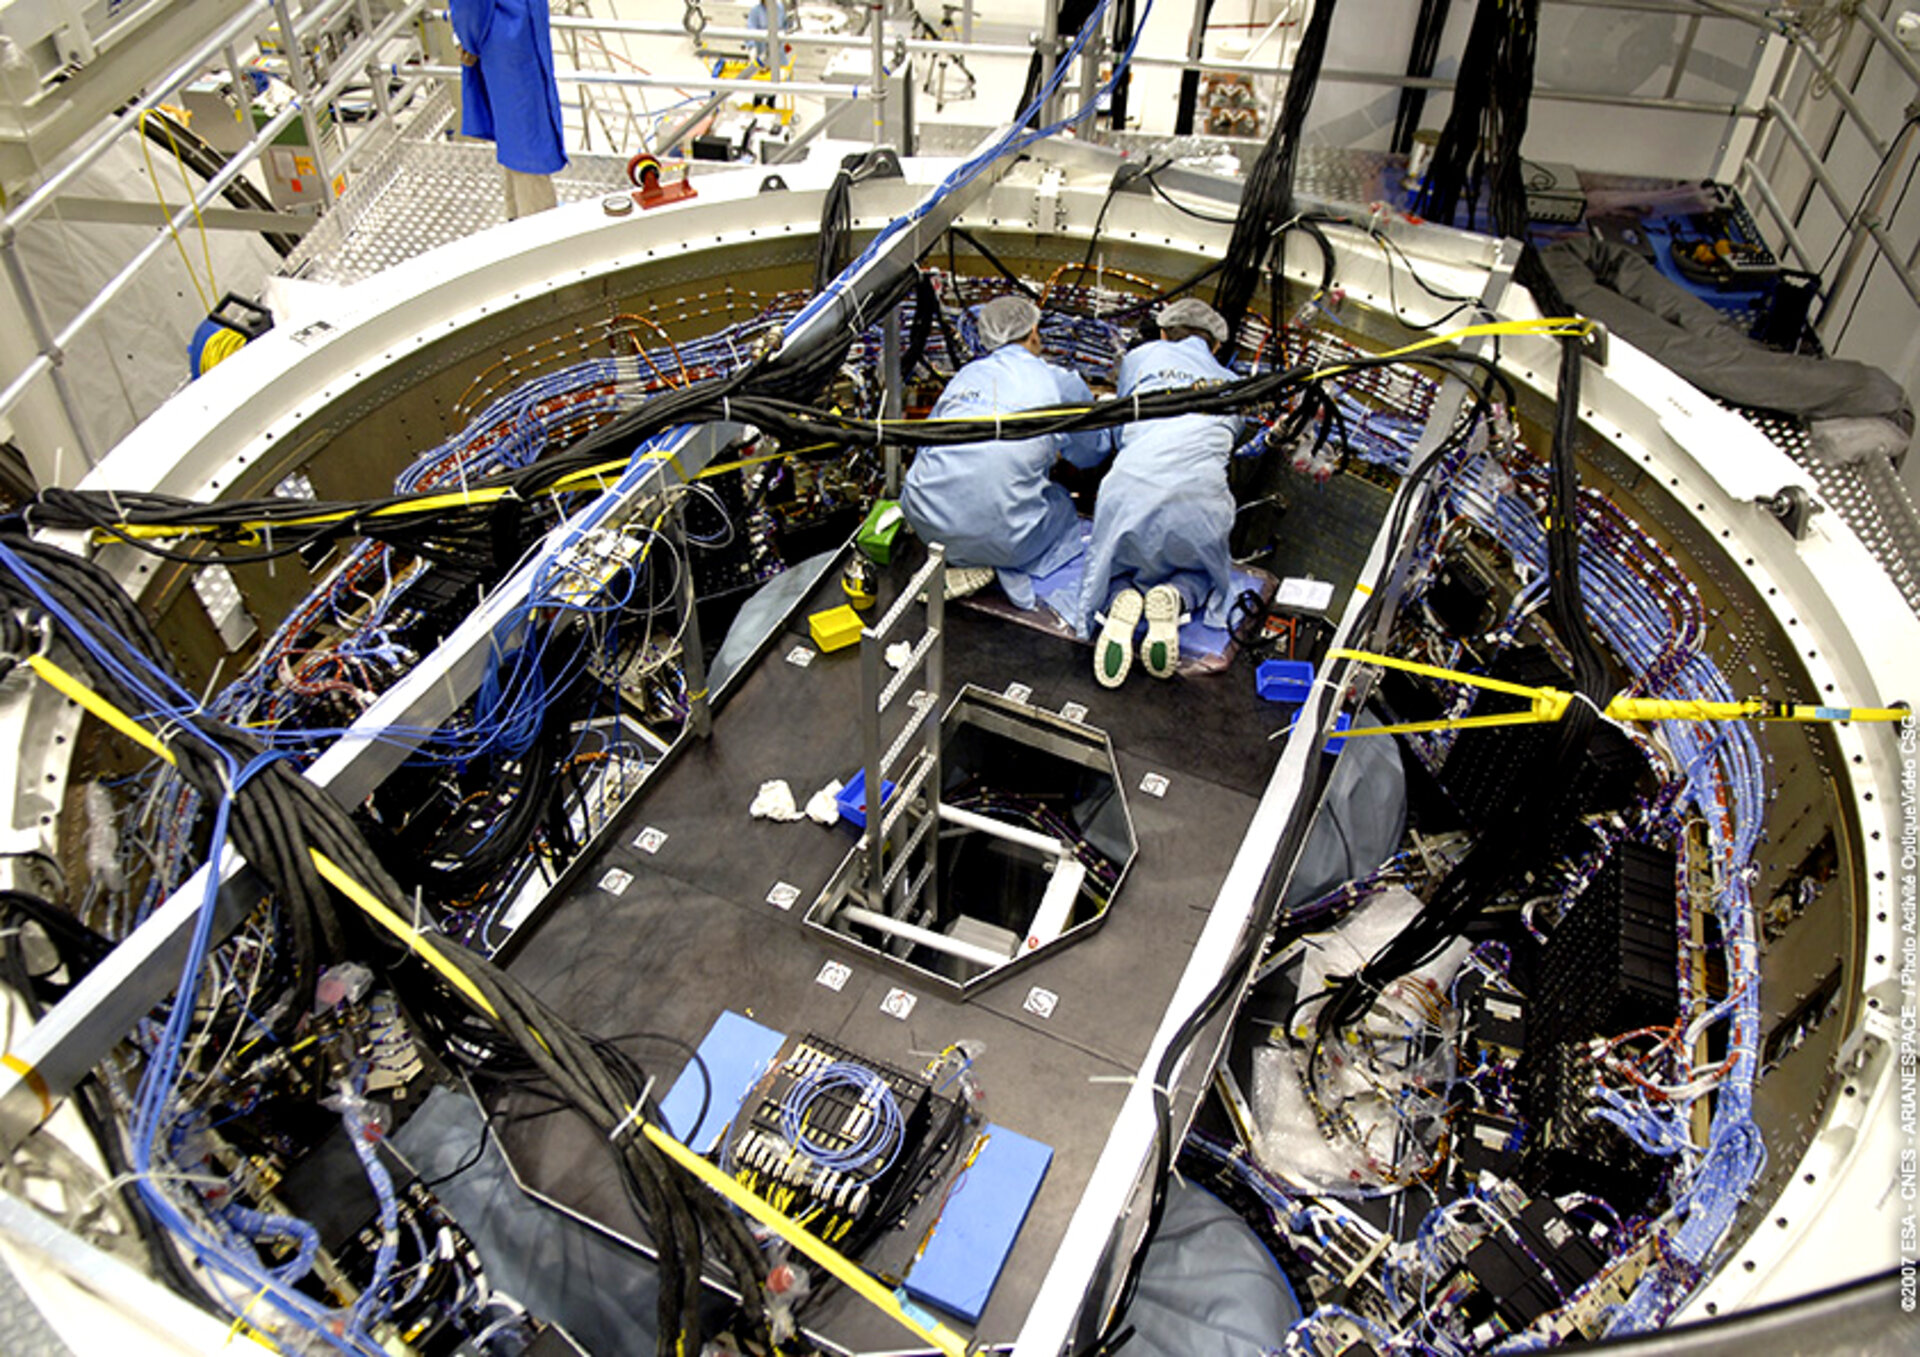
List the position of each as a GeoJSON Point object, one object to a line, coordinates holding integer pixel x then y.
{"type": "Point", "coordinates": [1862, 228]}
{"type": "Point", "coordinates": [53, 344]}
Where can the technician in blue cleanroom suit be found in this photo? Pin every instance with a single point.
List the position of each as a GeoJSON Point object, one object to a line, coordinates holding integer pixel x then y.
{"type": "Point", "coordinates": [508, 93]}
{"type": "Point", "coordinates": [767, 14]}
{"type": "Point", "coordinates": [1164, 511]}
{"type": "Point", "coordinates": [991, 504]}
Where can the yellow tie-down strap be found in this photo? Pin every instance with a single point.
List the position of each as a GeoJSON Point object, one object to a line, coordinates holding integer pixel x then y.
{"type": "Point", "coordinates": [1550, 704]}
{"type": "Point", "coordinates": [862, 1283]}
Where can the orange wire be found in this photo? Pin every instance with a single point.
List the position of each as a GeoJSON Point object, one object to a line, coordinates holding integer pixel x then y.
{"type": "Point", "coordinates": [1104, 273]}
{"type": "Point", "coordinates": [672, 347]}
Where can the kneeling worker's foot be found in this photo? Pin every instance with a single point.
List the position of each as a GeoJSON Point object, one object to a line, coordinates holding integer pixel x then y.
{"type": "Point", "coordinates": [1113, 647]}
{"type": "Point", "coordinates": [966, 580]}
{"type": "Point", "coordinates": [1160, 651]}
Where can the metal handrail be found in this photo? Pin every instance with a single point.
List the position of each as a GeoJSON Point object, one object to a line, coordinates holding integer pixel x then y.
{"type": "Point", "coordinates": [635, 80]}
{"type": "Point", "coordinates": [50, 188]}
{"type": "Point", "coordinates": [1773, 204]}
{"type": "Point", "coordinates": [1818, 170]}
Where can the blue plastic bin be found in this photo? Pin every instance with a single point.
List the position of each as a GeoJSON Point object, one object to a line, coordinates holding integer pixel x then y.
{"type": "Point", "coordinates": [1336, 741]}
{"type": "Point", "coordinates": [852, 799]}
{"type": "Point", "coordinates": [1284, 680]}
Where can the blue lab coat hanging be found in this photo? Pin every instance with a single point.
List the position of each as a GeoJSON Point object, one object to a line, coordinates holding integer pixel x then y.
{"type": "Point", "coordinates": [508, 92]}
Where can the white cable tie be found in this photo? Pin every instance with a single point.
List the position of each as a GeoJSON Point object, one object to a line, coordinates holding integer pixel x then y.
{"type": "Point", "coordinates": [620, 1127]}
{"type": "Point", "coordinates": [1129, 1080]}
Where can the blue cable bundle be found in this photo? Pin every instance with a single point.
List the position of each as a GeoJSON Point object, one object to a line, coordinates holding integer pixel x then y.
{"type": "Point", "coordinates": [877, 1134]}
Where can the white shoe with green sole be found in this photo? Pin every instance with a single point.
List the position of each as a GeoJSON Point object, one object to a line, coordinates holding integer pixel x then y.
{"type": "Point", "coordinates": [1160, 651]}
{"type": "Point", "coordinates": [1113, 648]}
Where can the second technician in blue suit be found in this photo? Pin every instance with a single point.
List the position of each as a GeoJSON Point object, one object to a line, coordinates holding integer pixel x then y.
{"type": "Point", "coordinates": [1165, 510]}
{"type": "Point", "coordinates": [991, 504]}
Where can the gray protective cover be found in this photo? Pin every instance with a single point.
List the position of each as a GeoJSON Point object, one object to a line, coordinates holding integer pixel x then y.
{"type": "Point", "coordinates": [1208, 1288]}
{"type": "Point", "coordinates": [1359, 823]}
{"type": "Point", "coordinates": [1615, 286]}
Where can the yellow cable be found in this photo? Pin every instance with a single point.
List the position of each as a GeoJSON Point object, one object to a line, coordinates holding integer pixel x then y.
{"type": "Point", "coordinates": [206, 248]}
{"type": "Point", "coordinates": [72, 688]}
{"type": "Point", "coordinates": [1564, 327]}
{"type": "Point", "coordinates": [429, 503]}
{"type": "Point", "coordinates": [857, 1279]}
{"type": "Point", "coordinates": [1550, 704]}
{"type": "Point", "coordinates": [241, 1328]}
{"type": "Point", "coordinates": [377, 910]}
{"type": "Point", "coordinates": [221, 345]}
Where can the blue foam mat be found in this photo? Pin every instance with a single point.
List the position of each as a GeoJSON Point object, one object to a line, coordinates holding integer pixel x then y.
{"type": "Point", "coordinates": [977, 1226]}
{"type": "Point", "coordinates": [736, 1052]}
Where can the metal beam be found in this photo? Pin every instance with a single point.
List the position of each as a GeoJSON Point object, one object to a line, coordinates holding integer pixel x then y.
{"type": "Point", "coordinates": [126, 212]}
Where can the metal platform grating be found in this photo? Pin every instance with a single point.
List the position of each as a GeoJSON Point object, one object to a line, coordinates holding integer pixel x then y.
{"type": "Point", "coordinates": [1869, 497]}
{"type": "Point", "coordinates": [420, 190]}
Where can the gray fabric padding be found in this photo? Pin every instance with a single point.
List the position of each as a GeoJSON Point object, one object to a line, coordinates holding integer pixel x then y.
{"type": "Point", "coordinates": [1208, 1288]}
{"type": "Point", "coordinates": [1361, 819]}
{"type": "Point", "coordinates": [1617, 287]}
{"type": "Point", "coordinates": [564, 1271]}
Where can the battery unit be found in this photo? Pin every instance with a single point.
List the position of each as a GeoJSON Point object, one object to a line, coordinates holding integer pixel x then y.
{"type": "Point", "coordinates": [1612, 964]}
{"type": "Point", "coordinates": [1532, 1265]}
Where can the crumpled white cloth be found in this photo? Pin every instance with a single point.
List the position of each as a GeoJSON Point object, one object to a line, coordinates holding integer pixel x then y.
{"type": "Point", "coordinates": [774, 801]}
{"type": "Point", "coordinates": [898, 654]}
{"type": "Point", "coordinates": [821, 807]}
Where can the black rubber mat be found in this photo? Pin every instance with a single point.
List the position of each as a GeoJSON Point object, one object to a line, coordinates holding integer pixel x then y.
{"type": "Point", "coordinates": [673, 938]}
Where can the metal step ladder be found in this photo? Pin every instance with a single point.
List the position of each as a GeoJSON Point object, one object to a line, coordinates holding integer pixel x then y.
{"type": "Point", "coordinates": [901, 899]}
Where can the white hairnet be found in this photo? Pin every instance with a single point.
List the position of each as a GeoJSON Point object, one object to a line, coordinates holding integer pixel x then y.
{"type": "Point", "coordinates": [1007, 320]}
{"type": "Point", "coordinates": [1193, 314]}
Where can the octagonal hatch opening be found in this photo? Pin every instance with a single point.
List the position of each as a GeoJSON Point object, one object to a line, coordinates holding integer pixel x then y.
{"type": "Point", "coordinates": [1035, 839]}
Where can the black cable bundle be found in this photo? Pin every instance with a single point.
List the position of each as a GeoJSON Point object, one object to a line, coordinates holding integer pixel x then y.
{"type": "Point", "coordinates": [836, 213]}
{"type": "Point", "coordinates": [1189, 98]}
{"type": "Point", "coordinates": [1266, 197]}
{"type": "Point", "coordinates": [1427, 28]}
{"type": "Point", "coordinates": [1120, 33]}
{"type": "Point", "coordinates": [277, 817]}
{"type": "Point", "coordinates": [836, 221]}
{"type": "Point", "coordinates": [756, 395]}
{"type": "Point", "coordinates": [1516, 839]}
{"type": "Point", "coordinates": [926, 314]}
{"type": "Point", "coordinates": [1482, 140]}
{"type": "Point", "coordinates": [592, 1078]}
{"type": "Point", "coordinates": [1488, 119]}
